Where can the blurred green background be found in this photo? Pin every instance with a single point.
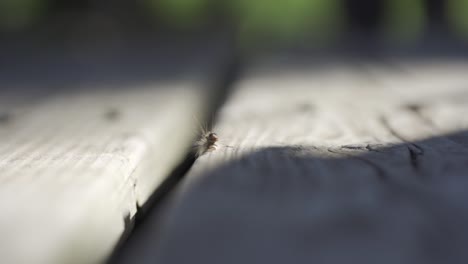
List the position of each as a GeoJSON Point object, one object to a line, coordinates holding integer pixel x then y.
{"type": "Point", "coordinates": [403, 20]}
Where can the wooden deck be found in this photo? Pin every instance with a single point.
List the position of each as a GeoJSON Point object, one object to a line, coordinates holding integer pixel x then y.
{"type": "Point", "coordinates": [84, 144]}
{"type": "Point", "coordinates": [361, 161]}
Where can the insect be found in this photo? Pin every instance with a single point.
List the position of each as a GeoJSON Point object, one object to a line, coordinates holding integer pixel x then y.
{"type": "Point", "coordinates": [206, 141]}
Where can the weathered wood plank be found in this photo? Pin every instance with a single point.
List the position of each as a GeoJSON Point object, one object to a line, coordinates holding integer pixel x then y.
{"type": "Point", "coordinates": [330, 164]}
{"type": "Point", "coordinates": [75, 163]}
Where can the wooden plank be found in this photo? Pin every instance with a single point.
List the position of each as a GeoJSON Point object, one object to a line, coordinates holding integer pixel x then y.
{"type": "Point", "coordinates": [78, 159]}
{"type": "Point", "coordinates": [330, 163]}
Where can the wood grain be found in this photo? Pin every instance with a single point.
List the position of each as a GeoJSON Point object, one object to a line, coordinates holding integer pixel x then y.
{"type": "Point", "coordinates": [87, 141]}
{"type": "Point", "coordinates": [361, 162]}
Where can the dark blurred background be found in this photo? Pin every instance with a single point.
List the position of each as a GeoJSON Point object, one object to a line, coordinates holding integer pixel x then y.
{"type": "Point", "coordinates": [58, 43]}
{"type": "Point", "coordinates": [251, 21]}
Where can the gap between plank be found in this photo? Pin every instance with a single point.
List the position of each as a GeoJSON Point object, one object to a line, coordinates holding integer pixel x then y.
{"type": "Point", "coordinates": [227, 75]}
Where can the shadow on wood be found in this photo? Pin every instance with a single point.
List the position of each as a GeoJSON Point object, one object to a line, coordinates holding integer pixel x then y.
{"type": "Point", "coordinates": [404, 203]}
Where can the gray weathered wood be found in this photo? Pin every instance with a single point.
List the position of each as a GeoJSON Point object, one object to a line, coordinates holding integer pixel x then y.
{"type": "Point", "coordinates": [351, 162]}
{"type": "Point", "coordinates": [77, 160]}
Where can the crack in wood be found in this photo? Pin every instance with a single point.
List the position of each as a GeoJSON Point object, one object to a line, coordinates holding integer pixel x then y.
{"type": "Point", "coordinates": [415, 153]}
{"type": "Point", "coordinates": [370, 148]}
{"type": "Point", "coordinates": [367, 147]}
{"type": "Point", "coordinates": [353, 147]}
{"type": "Point", "coordinates": [414, 150]}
